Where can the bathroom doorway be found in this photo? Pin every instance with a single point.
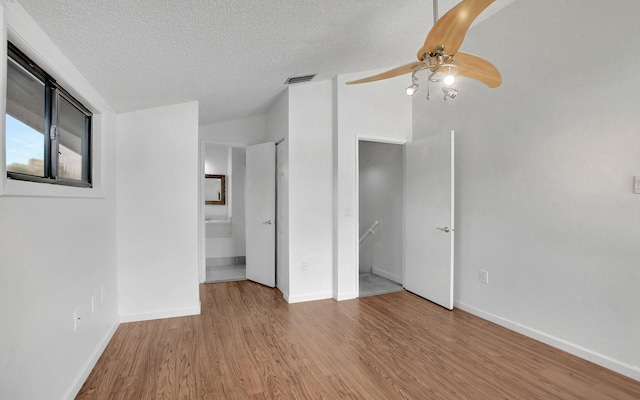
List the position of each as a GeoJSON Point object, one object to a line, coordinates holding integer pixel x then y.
{"type": "Point", "coordinates": [224, 213]}
{"type": "Point", "coordinates": [381, 216]}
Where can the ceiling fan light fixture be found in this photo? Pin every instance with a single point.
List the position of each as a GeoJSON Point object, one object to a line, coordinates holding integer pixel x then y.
{"type": "Point", "coordinates": [449, 93]}
{"type": "Point", "coordinates": [439, 57]}
{"type": "Point", "coordinates": [449, 79]}
{"type": "Point", "coordinates": [413, 88]}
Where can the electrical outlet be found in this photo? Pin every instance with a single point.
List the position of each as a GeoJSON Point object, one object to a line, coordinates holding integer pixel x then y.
{"type": "Point", "coordinates": [76, 320]}
{"type": "Point", "coordinates": [484, 276]}
{"type": "Point", "coordinates": [305, 265]}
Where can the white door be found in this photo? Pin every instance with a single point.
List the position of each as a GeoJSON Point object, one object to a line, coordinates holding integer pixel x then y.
{"type": "Point", "coordinates": [260, 208]}
{"type": "Point", "coordinates": [429, 221]}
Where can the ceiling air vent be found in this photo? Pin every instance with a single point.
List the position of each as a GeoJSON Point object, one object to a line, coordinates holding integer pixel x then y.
{"type": "Point", "coordinates": [299, 79]}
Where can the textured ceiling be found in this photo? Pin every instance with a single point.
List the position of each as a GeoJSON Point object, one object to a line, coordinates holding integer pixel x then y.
{"type": "Point", "coordinates": [232, 56]}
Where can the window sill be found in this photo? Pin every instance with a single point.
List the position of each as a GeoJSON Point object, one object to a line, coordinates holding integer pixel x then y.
{"type": "Point", "coordinates": [17, 188]}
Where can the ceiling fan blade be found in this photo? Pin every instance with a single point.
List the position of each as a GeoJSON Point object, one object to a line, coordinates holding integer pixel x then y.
{"type": "Point", "coordinates": [450, 30]}
{"type": "Point", "coordinates": [477, 68]}
{"type": "Point", "coordinates": [405, 69]}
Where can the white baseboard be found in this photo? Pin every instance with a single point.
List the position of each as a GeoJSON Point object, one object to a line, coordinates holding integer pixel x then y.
{"type": "Point", "coordinates": [309, 297]}
{"type": "Point", "coordinates": [285, 295]}
{"type": "Point", "coordinates": [180, 312]}
{"type": "Point", "coordinates": [88, 367]}
{"type": "Point", "coordinates": [631, 371]}
{"type": "Point", "coordinates": [345, 296]}
{"type": "Point", "coordinates": [388, 275]}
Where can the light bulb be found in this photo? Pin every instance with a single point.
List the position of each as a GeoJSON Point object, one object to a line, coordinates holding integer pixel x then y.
{"type": "Point", "coordinates": [411, 90]}
{"type": "Point", "coordinates": [449, 79]}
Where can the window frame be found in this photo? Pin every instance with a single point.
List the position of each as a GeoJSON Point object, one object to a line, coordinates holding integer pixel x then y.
{"type": "Point", "coordinates": [53, 93]}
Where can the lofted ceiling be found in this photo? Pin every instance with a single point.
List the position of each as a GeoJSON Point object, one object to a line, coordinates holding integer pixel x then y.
{"type": "Point", "coordinates": [232, 56]}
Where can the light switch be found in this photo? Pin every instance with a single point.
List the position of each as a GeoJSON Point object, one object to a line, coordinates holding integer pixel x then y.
{"type": "Point", "coordinates": [636, 185]}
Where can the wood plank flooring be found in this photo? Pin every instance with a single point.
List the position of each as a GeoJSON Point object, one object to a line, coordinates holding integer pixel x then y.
{"type": "Point", "coordinates": [250, 344]}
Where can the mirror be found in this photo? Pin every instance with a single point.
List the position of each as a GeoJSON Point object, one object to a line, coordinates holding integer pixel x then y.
{"type": "Point", "coordinates": [214, 189]}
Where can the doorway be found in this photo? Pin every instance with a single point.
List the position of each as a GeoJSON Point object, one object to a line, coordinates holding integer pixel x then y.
{"type": "Point", "coordinates": [225, 237]}
{"type": "Point", "coordinates": [381, 217]}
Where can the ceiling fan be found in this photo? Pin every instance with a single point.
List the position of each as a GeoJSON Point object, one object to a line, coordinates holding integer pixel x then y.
{"type": "Point", "coordinates": [440, 56]}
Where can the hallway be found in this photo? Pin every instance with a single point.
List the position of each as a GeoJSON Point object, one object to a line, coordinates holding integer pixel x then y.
{"type": "Point", "coordinates": [371, 285]}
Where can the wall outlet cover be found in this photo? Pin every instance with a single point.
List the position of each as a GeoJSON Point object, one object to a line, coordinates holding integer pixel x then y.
{"type": "Point", "coordinates": [484, 276]}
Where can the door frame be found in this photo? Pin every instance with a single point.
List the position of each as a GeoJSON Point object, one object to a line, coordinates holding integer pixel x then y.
{"type": "Point", "coordinates": [366, 138]}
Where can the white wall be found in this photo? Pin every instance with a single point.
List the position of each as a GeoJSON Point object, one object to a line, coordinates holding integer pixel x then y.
{"type": "Point", "coordinates": [381, 199]}
{"type": "Point", "coordinates": [310, 161]}
{"type": "Point", "coordinates": [277, 120]}
{"type": "Point", "coordinates": [57, 248]}
{"type": "Point", "coordinates": [157, 222]}
{"type": "Point", "coordinates": [379, 111]}
{"type": "Point", "coordinates": [216, 159]}
{"type": "Point", "coordinates": [545, 168]}
{"type": "Point", "coordinates": [239, 132]}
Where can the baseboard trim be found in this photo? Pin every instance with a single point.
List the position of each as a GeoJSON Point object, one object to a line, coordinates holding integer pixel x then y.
{"type": "Point", "coordinates": [623, 368]}
{"type": "Point", "coordinates": [75, 387]}
{"type": "Point", "coordinates": [180, 312]}
{"type": "Point", "coordinates": [285, 295]}
{"type": "Point", "coordinates": [387, 275]}
{"type": "Point", "coordinates": [345, 296]}
{"type": "Point", "coordinates": [309, 297]}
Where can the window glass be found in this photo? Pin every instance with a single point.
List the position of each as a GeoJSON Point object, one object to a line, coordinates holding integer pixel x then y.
{"type": "Point", "coordinates": [71, 128]}
{"type": "Point", "coordinates": [24, 121]}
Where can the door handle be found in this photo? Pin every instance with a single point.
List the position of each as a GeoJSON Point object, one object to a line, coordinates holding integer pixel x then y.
{"type": "Point", "coordinates": [445, 229]}
{"type": "Point", "coordinates": [269, 222]}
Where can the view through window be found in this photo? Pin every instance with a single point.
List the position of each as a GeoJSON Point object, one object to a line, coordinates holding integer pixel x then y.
{"type": "Point", "coordinates": [48, 132]}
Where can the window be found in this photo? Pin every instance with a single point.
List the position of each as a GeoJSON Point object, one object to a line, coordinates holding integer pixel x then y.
{"type": "Point", "coordinates": [48, 132]}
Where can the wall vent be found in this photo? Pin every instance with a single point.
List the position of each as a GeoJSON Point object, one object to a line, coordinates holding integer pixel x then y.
{"type": "Point", "coordinates": [299, 79]}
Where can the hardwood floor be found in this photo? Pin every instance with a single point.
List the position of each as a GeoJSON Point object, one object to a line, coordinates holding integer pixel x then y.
{"type": "Point", "coordinates": [250, 344]}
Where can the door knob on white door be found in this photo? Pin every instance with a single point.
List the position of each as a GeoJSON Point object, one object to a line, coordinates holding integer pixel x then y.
{"type": "Point", "coordinates": [269, 222]}
{"type": "Point", "coordinates": [445, 229]}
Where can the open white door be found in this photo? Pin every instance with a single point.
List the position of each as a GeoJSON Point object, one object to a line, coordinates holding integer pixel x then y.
{"type": "Point", "coordinates": [429, 224]}
{"type": "Point", "coordinates": [260, 208]}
